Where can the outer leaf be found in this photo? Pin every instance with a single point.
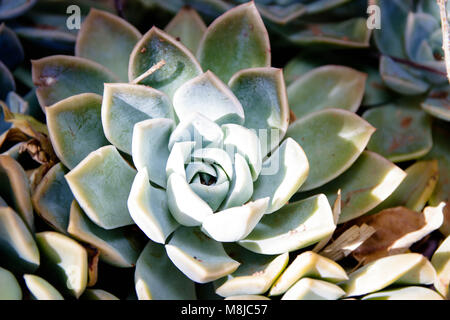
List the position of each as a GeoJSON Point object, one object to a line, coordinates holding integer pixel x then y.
{"type": "Point", "coordinates": [99, 37]}
{"type": "Point", "coordinates": [312, 289]}
{"type": "Point", "coordinates": [156, 278]}
{"type": "Point", "coordinates": [11, 51]}
{"type": "Point", "coordinates": [65, 260]}
{"type": "Point", "coordinates": [155, 46]}
{"type": "Point", "coordinates": [9, 287]}
{"type": "Point", "coordinates": [236, 40]}
{"type": "Point", "coordinates": [327, 87]}
{"type": "Point", "coordinates": [438, 104]}
{"type": "Point", "coordinates": [441, 262]}
{"type": "Point", "coordinates": [293, 227]}
{"type": "Point", "coordinates": [403, 133]}
{"type": "Point", "coordinates": [53, 197]}
{"type": "Point", "coordinates": [199, 257]}
{"type": "Point", "coordinates": [40, 289]}
{"type": "Point", "coordinates": [98, 294]}
{"type": "Point", "coordinates": [332, 139]}
{"type": "Point", "coordinates": [12, 8]}
{"type": "Point", "coordinates": [75, 127]}
{"type": "Point", "coordinates": [59, 77]}
{"type": "Point", "coordinates": [406, 293]}
{"type": "Point", "coordinates": [263, 96]}
{"type": "Point", "coordinates": [101, 184]}
{"type": "Point", "coordinates": [188, 27]}
{"type": "Point", "coordinates": [124, 105]}
{"type": "Point", "coordinates": [117, 247]}
{"type": "Point", "coordinates": [18, 249]}
{"type": "Point", "coordinates": [7, 83]}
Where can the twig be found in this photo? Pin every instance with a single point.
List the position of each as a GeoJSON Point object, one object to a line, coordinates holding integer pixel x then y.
{"type": "Point", "coordinates": [149, 71]}
{"type": "Point", "coordinates": [445, 34]}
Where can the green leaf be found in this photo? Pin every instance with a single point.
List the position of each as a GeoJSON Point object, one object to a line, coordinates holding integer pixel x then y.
{"type": "Point", "coordinates": [437, 104]}
{"type": "Point", "coordinates": [40, 289]}
{"type": "Point", "coordinates": [18, 248]}
{"type": "Point", "coordinates": [403, 132]}
{"type": "Point", "coordinates": [149, 209]}
{"type": "Point", "coordinates": [53, 197]}
{"type": "Point", "coordinates": [156, 278]}
{"type": "Point", "coordinates": [236, 40]}
{"type": "Point", "coordinates": [419, 29]}
{"type": "Point", "coordinates": [75, 127]}
{"type": "Point", "coordinates": [441, 262]}
{"type": "Point", "coordinates": [188, 27]}
{"type": "Point", "coordinates": [406, 269]}
{"type": "Point", "coordinates": [124, 105]}
{"type": "Point", "coordinates": [376, 92]}
{"type": "Point", "coordinates": [327, 87]}
{"type": "Point", "coordinates": [209, 96]}
{"type": "Point", "coordinates": [282, 175]}
{"type": "Point", "coordinates": [294, 226]}
{"type": "Point", "coordinates": [263, 96]}
{"type": "Point", "coordinates": [118, 247]}
{"type": "Point", "coordinates": [254, 276]}
{"type": "Point", "coordinates": [99, 38]}
{"type": "Point", "coordinates": [59, 77]}
{"type": "Point", "coordinates": [156, 46]}
{"type": "Point", "coordinates": [101, 184]}
{"type": "Point", "coordinates": [406, 293]}
{"type": "Point", "coordinates": [65, 261]}
{"type": "Point", "coordinates": [9, 287]}
{"type": "Point", "coordinates": [313, 289]}
{"type": "Point", "coordinates": [332, 139]}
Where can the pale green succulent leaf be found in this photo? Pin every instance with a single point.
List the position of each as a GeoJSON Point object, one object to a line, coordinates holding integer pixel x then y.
{"type": "Point", "coordinates": [332, 139]}
{"type": "Point", "coordinates": [101, 184]}
{"type": "Point", "coordinates": [18, 250]}
{"type": "Point", "coordinates": [9, 287]}
{"type": "Point", "coordinates": [178, 157]}
{"type": "Point", "coordinates": [283, 173]}
{"type": "Point", "coordinates": [117, 247]}
{"type": "Point", "coordinates": [199, 257]}
{"type": "Point", "coordinates": [313, 289]}
{"type": "Point", "coordinates": [59, 77]}
{"type": "Point", "coordinates": [213, 195]}
{"type": "Point", "coordinates": [215, 156]}
{"type": "Point", "coordinates": [405, 293]}
{"type": "Point", "coordinates": [41, 289]}
{"type": "Point", "coordinates": [124, 105]}
{"type": "Point", "coordinates": [376, 92]}
{"type": "Point", "coordinates": [308, 264]}
{"type": "Point", "coordinates": [156, 277]}
{"type": "Point", "coordinates": [75, 127]}
{"type": "Point", "coordinates": [236, 40]}
{"type": "Point", "coordinates": [65, 260]}
{"type": "Point", "coordinates": [294, 226]}
{"type": "Point", "coordinates": [188, 27]}
{"type": "Point", "coordinates": [52, 198]}
{"type": "Point", "coordinates": [99, 37]}
{"type": "Point", "coordinates": [98, 294]}
{"type": "Point", "coordinates": [149, 147]}
{"type": "Point", "coordinates": [437, 104]}
{"type": "Point", "coordinates": [441, 262]}
{"type": "Point", "coordinates": [263, 96]}
{"type": "Point", "coordinates": [149, 209]}
{"type": "Point", "coordinates": [403, 132]}
{"type": "Point", "coordinates": [155, 47]}
{"type": "Point", "coordinates": [419, 28]}
{"type": "Point", "coordinates": [209, 96]}
{"type": "Point", "coordinates": [326, 87]}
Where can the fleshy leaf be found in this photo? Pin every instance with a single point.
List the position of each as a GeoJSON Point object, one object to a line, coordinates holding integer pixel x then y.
{"type": "Point", "coordinates": [236, 40]}
{"type": "Point", "coordinates": [282, 175]}
{"type": "Point", "coordinates": [12, 8]}
{"type": "Point", "coordinates": [124, 105]}
{"type": "Point", "coordinates": [209, 96]}
{"type": "Point", "coordinates": [101, 184]}
{"type": "Point", "coordinates": [11, 51]}
{"type": "Point", "coordinates": [240, 221]}
{"type": "Point", "coordinates": [53, 197]}
{"type": "Point", "coordinates": [149, 209]}
{"type": "Point", "coordinates": [9, 287]}
{"type": "Point", "coordinates": [313, 289]}
{"type": "Point", "coordinates": [294, 226]}
{"type": "Point", "coordinates": [179, 156]}
{"type": "Point", "coordinates": [437, 104]}
{"type": "Point", "coordinates": [98, 294]}
{"type": "Point", "coordinates": [327, 87]}
{"type": "Point", "coordinates": [406, 293]}
{"type": "Point", "coordinates": [199, 257]}
{"type": "Point", "coordinates": [441, 262]}
{"type": "Point", "coordinates": [18, 250]}
{"type": "Point", "coordinates": [150, 147]}
{"type": "Point", "coordinates": [376, 92]}
{"type": "Point", "coordinates": [99, 37]}
{"type": "Point", "coordinates": [40, 289]}
{"type": "Point", "coordinates": [332, 139]}
{"type": "Point", "coordinates": [308, 264]}
{"type": "Point", "coordinates": [407, 268]}
{"type": "Point", "coordinates": [403, 132]}
{"type": "Point", "coordinates": [60, 77]}
{"type": "Point", "coordinates": [65, 260]}
{"type": "Point", "coordinates": [15, 189]}
{"type": "Point", "coordinates": [247, 297]}
{"type": "Point", "coordinates": [117, 247]}
{"type": "Point", "coordinates": [156, 46]}
{"type": "Point", "coordinates": [75, 127]}
{"type": "Point", "coordinates": [263, 96]}
{"type": "Point", "coordinates": [254, 276]}
{"type": "Point", "coordinates": [7, 83]}
{"type": "Point", "coordinates": [188, 27]}
{"type": "Point", "coordinates": [156, 278]}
